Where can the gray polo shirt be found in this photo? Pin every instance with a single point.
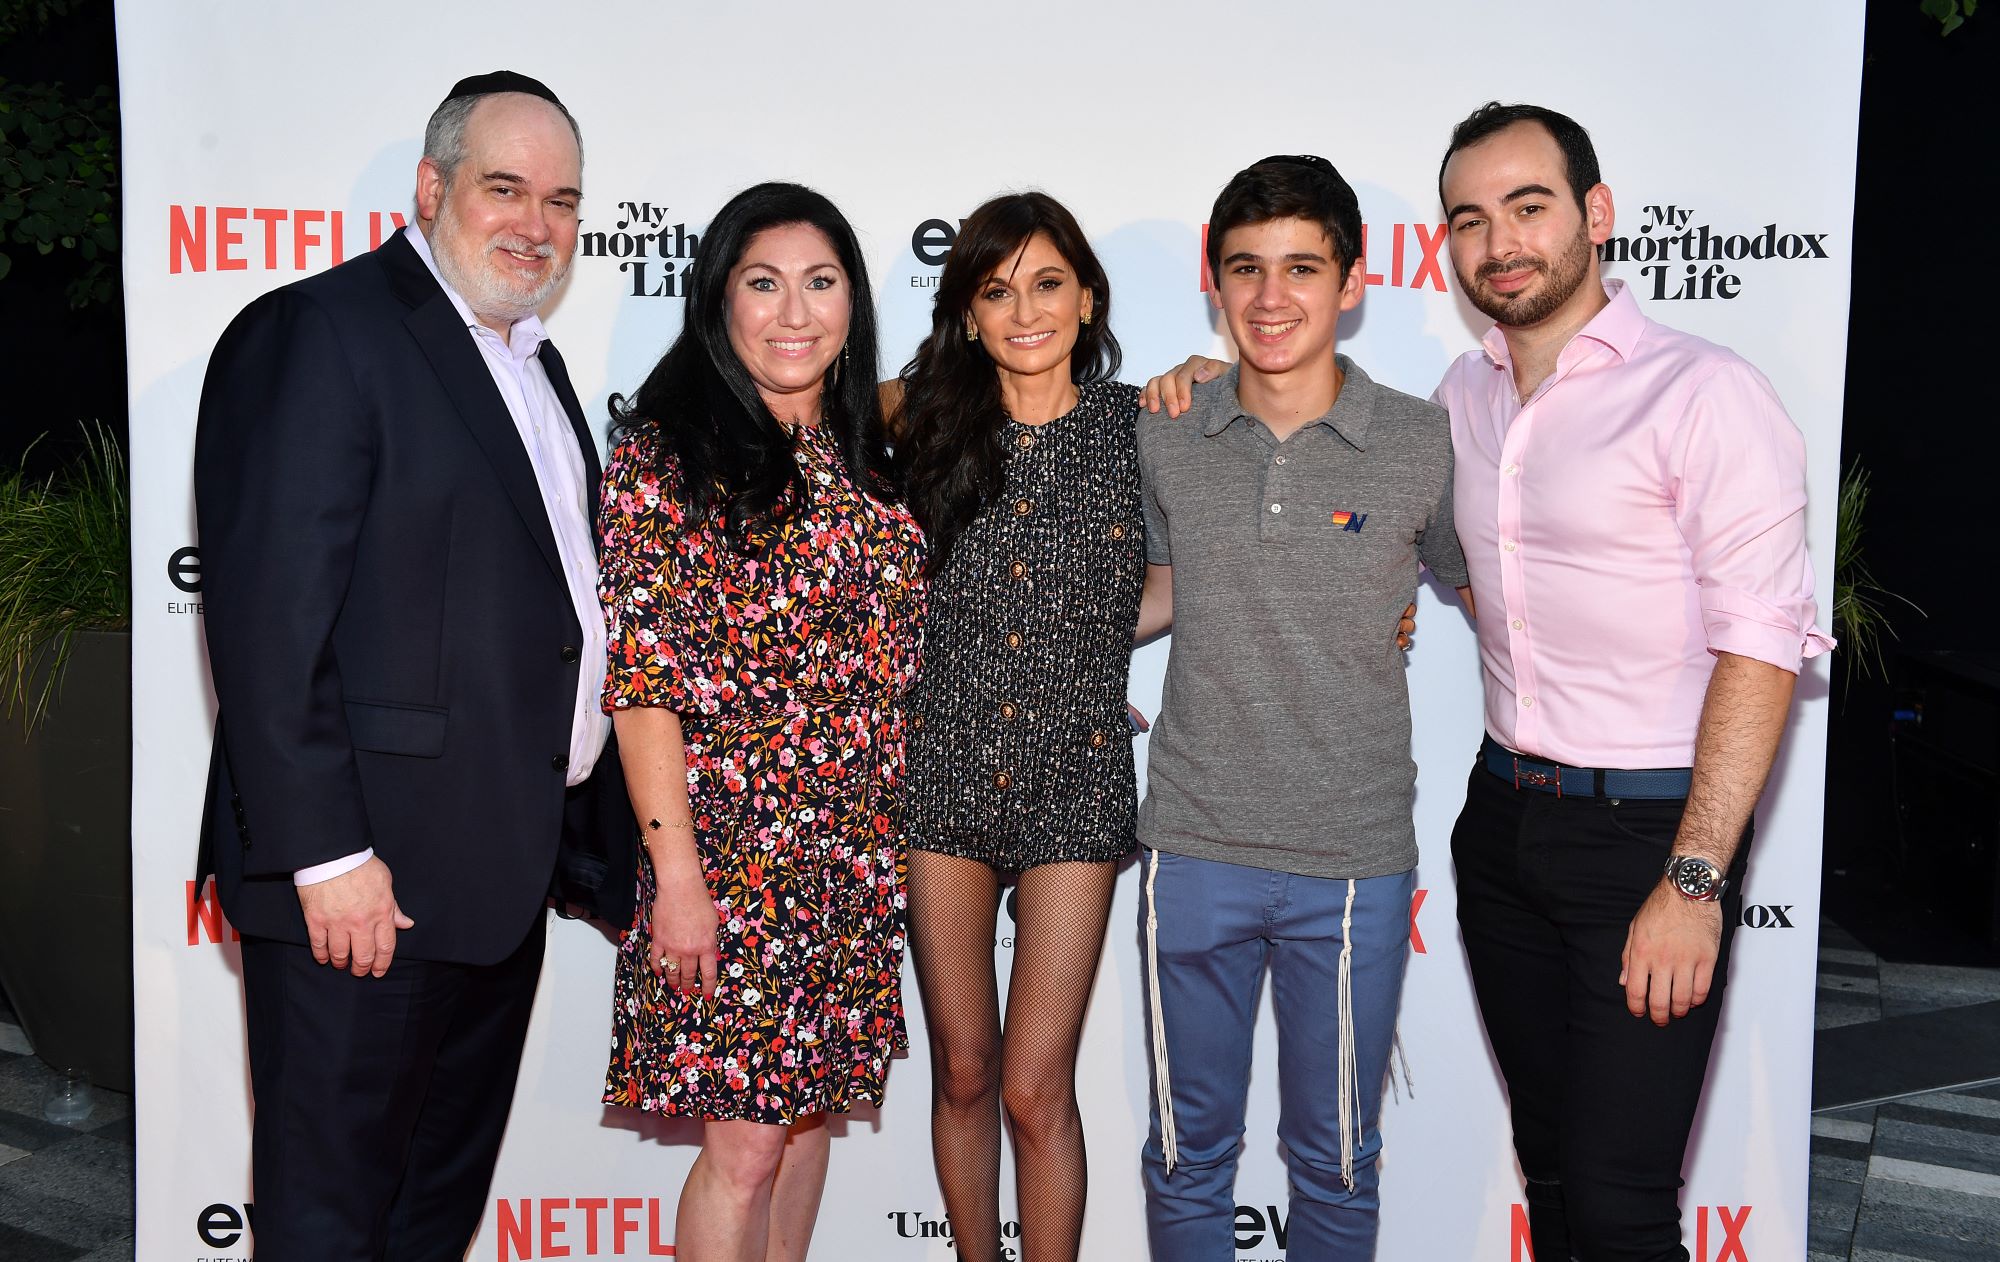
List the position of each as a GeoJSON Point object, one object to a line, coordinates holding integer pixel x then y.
{"type": "Point", "coordinates": [1283, 740]}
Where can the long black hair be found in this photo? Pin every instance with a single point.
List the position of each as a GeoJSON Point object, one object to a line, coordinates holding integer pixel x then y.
{"type": "Point", "coordinates": [949, 440]}
{"type": "Point", "coordinates": [735, 458]}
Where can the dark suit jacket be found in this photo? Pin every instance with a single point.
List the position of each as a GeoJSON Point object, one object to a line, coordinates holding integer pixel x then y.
{"type": "Point", "coordinates": [393, 647]}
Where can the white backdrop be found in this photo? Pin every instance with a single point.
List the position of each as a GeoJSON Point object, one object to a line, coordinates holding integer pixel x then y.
{"type": "Point", "coordinates": [265, 141]}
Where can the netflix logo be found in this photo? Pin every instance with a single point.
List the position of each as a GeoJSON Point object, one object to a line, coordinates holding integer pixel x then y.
{"type": "Point", "coordinates": [270, 238]}
{"type": "Point", "coordinates": [206, 925]}
{"type": "Point", "coordinates": [532, 1227]}
{"type": "Point", "coordinates": [1405, 256]}
{"type": "Point", "coordinates": [1718, 1234]}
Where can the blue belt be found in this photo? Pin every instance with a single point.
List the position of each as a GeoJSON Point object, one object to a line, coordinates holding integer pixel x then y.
{"type": "Point", "coordinates": [1524, 772]}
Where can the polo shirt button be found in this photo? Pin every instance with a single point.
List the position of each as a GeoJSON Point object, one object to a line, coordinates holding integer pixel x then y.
{"type": "Point", "coordinates": [1511, 470]}
{"type": "Point", "coordinates": [1527, 703]}
{"type": "Point", "coordinates": [1281, 460]}
{"type": "Point", "coordinates": [1517, 624]}
{"type": "Point", "coordinates": [1507, 545]}
{"type": "Point", "coordinates": [1277, 508]}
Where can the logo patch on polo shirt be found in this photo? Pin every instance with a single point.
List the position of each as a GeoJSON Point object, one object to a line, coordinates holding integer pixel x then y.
{"type": "Point", "coordinates": [1349, 521]}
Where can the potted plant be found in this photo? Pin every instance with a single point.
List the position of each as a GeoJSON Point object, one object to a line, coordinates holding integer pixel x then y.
{"type": "Point", "coordinates": [66, 761]}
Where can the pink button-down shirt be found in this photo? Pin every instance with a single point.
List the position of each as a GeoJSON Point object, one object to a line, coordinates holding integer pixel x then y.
{"type": "Point", "coordinates": [1642, 510]}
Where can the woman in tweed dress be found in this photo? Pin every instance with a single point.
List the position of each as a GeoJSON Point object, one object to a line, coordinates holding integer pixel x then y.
{"type": "Point", "coordinates": [1021, 463]}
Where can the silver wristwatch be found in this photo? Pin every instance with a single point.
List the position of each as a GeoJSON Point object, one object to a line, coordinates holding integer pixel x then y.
{"type": "Point", "coordinates": [1695, 878]}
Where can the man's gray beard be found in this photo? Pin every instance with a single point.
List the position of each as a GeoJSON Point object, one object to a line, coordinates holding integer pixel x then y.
{"type": "Point", "coordinates": [1563, 278]}
{"type": "Point", "coordinates": [484, 292]}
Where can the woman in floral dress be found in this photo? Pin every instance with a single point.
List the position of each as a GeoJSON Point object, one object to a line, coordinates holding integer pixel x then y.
{"type": "Point", "coordinates": [763, 588]}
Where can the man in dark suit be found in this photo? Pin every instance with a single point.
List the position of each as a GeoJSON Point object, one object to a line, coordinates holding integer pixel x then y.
{"type": "Point", "coordinates": [395, 490]}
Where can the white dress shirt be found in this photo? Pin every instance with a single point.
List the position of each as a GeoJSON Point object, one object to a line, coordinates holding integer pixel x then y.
{"type": "Point", "coordinates": [563, 478]}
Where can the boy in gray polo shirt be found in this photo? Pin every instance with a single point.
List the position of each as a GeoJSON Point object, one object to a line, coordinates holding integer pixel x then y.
{"type": "Point", "coordinates": [1293, 503]}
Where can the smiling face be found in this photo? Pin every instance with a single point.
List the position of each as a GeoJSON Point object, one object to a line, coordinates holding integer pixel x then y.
{"type": "Point", "coordinates": [1281, 290]}
{"type": "Point", "coordinates": [1029, 312]}
{"type": "Point", "coordinates": [502, 225]}
{"type": "Point", "coordinates": [1524, 250]}
{"type": "Point", "coordinates": [788, 305]}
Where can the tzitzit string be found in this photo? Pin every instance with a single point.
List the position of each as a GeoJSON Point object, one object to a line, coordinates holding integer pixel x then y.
{"type": "Point", "coordinates": [1162, 1085]}
{"type": "Point", "coordinates": [1350, 1086]}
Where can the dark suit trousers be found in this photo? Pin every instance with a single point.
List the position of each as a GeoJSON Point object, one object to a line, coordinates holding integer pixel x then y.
{"type": "Point", "coordinates": [380, 1101]}
{"type": "Point", "coordinates": [1602, 1101]}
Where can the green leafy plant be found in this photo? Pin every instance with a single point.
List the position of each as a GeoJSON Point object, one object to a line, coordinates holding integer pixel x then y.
{"type": "Point", "coordinates": [1860, 603]}
{"type": "Point", "coordinates": [65, 566]}
{"type": "Point", "coordinates": [59, 180]}
{"type": "Point", "coordinates": [31, 15]}
{"type": "Point", "coordinates": [1951, 13]}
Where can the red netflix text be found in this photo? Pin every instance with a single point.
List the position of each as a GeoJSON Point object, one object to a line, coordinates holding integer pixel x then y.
{"type": "Point", "coordinates": [1718, 1234]}
{"type": "Point", "coordinates": [1415, 258]}
{"type": "Point", "coordinates": [205, 918]}
{"type": "Point", "coordinates": [580, 1227]}
{"type": "Point", "coordinates": [269, 238]}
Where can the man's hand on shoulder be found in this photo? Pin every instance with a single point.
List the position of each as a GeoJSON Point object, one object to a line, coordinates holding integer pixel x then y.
{"type": "Point", "coordinates": [1669, 959]}
{"type": "Point", "coordinates": [352, 919]}
{"type": "Point", "coordinates": [1175, 389]}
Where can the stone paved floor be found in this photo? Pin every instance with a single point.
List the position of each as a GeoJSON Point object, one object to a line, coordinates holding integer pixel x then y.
{"type": "Point", "coordinates": [1916, 1180]}
{"type": "Point", "coordinates": [65, 1191]}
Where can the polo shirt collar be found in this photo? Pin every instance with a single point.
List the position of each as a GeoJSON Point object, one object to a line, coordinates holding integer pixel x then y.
{"type": "Point", "coordinates": [1619, 326]}
{"type": "Point", "coordinates": [1348, 417]}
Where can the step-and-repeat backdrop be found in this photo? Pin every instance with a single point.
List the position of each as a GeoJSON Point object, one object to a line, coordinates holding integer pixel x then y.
{"type": "Point", "coordinates": [265, 142]}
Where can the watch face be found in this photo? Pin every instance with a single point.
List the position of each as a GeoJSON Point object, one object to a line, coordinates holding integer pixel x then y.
{"type": "Point", "coordinates": [1694, 878]}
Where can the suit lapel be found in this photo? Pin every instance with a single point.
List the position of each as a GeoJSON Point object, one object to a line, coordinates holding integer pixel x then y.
{"type": "Point", "coordinates": [441, 333]}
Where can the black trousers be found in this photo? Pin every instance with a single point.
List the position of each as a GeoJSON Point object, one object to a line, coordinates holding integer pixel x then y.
{"type": "Point", "coordinates": [380, 1102]}
{"type": "Point", "coordinates": [1602, 1101]}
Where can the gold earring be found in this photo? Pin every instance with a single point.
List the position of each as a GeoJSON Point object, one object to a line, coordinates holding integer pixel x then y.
{"type": "Point", "coordinates": [1086, 317]}
{"type": "Point", "coordinates": [971, 333]}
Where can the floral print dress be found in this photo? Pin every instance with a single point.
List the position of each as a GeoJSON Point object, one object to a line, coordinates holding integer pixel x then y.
{"type": "Point", "coordinates": [787, 664]}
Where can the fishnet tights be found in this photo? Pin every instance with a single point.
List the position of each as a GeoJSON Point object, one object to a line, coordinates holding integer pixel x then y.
{"type": "Point", "coordinates": [1059, 932]}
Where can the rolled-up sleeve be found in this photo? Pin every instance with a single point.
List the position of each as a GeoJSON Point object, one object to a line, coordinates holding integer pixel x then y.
{"type": "Point", "coordinates": [1738, 478]}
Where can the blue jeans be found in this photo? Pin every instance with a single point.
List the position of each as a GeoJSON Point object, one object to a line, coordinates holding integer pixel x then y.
{"type": "Point", "coordinates": [1219, 924]}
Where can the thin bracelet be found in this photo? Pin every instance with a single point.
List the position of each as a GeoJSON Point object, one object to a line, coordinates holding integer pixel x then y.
{"type": "Point", "coordinates": [656, 825]}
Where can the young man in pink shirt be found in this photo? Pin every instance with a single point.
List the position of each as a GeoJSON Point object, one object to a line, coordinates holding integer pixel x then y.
{"type": "Point", "coordinates": [1631, 502]}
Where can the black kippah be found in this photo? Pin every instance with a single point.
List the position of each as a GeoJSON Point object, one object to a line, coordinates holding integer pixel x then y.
{"type": "Point", "coordinates": [502, 81]}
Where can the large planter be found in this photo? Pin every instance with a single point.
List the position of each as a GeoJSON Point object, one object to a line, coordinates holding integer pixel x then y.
{"type": "Point", "coordinates": [66, 864]}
